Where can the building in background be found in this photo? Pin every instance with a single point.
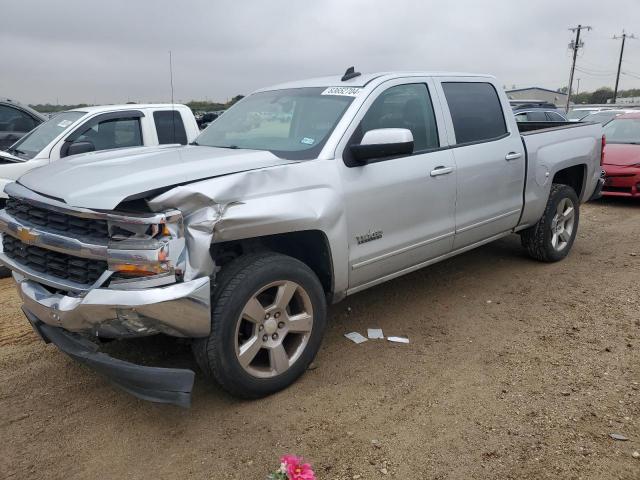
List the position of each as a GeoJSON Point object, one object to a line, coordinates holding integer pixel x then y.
{"type": "Point", "coordinates": [538, 94]}
{"type": "Point", "coordinates": [628, 101]}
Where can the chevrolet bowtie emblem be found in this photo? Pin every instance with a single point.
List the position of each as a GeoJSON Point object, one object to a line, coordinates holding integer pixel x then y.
{"type": "Point", "coordinates": [26, 235]}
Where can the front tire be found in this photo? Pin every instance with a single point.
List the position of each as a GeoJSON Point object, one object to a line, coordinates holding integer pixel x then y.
{"type": "Point", "coordinates": [551, 239]}
{"type": "Point", "coordinates": [4, 272]}
{"type": "Point", "coordinates": [267, 322]}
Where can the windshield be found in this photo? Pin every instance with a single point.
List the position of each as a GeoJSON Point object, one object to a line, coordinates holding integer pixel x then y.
{"type": "Point", "coordinates": [623, 130]}
{"type": "Point", "coordinates": [32, 143]}
{"type": "Point", "coordinates": [292, 124]}
{"type": "Point", "coordinates": [578, 114]}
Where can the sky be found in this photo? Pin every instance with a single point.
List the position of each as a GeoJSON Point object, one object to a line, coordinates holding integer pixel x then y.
{"type": "Point", "coordinates": [117, 51]}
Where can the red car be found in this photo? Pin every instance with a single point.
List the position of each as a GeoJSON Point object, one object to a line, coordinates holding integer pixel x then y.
{"type": "Point", "coordinates": [622, 156]}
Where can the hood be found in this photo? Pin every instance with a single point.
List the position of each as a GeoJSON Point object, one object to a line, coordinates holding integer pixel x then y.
{"type": "Point", "coordinates": [621, 154]}
{"type": "Point", "coordinates": [102, 180]}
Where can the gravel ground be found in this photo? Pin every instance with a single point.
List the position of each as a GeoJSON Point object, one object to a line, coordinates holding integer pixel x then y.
{"type": "Point", "coordinates": [515, 370]}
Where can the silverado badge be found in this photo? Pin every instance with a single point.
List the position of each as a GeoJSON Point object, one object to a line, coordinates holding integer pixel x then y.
{"type": "Point", "coordinates": [369, 237]}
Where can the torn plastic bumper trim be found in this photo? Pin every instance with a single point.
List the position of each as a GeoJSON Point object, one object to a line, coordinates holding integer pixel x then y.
{"type": "Point", "coordinates": [179, 310]}
{"type": "Point", "coordinates": [597, 192]}
{"type": "Point", "coordinates": [162, 385]}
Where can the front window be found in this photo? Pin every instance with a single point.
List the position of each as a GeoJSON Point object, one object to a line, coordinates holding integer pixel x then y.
{"type": "Point", "coordinates": [623, 130]}
{"type": "Point", "coordinates": [292, 123]}
{"type": "Point", "coordinates": [32, 143]}
{"type": "Point", "coordinates": [113, 133]}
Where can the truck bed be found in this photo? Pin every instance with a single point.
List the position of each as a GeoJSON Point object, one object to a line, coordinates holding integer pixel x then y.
{"type": "Point", "coordinates": [527, 128]}
{"type": "Point", "coordinates": [553, 148]}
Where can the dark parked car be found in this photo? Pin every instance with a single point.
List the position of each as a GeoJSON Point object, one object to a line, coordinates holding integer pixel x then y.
{"type": "Point", "coordinates": [539, 115]}
{"type": "Point", "coordinates": [206, 119]}
{"type": "Point", "coordinates": [15, 121]}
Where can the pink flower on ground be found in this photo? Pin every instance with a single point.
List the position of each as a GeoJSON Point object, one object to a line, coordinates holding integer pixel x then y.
{"type": "Point", "coordinates": [296, 470]}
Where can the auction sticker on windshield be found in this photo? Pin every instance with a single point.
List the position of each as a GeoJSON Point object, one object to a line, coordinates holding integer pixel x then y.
{"type": "Point", "coordinates": [343, 91]}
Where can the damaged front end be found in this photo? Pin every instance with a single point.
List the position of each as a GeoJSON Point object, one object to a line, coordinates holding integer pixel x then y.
{"type": "Point", "coordinates": [85, 273]}
{"type": "Point", "coordinates": [102, 274]}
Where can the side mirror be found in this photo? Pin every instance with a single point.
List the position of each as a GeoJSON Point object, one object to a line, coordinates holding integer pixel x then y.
{"type": "Point", "coordinates": [80, 147]}
{"type": "Point", "coordinates": [383, 142]}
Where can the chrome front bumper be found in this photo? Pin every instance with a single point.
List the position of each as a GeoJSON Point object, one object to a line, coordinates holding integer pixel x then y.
{"type": "Point", "coordinates": [179, 310]}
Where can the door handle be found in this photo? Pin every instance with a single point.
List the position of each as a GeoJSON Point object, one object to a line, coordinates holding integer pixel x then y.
{"type": "Point", "coordinates": [512, 156]}
{"type": "Point", "coordinates": [442, 170]}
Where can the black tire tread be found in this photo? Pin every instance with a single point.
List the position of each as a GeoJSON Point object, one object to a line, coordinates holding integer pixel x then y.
{"type": "Point", "coordinates": [228, 279]}
{"type": "Point", "coordinates": [533, 238]}
{"type": "Point", "coordinates": [4, 272]}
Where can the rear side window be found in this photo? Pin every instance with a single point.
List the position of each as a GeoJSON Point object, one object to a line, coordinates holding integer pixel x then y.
{"type": "Point", "coordinates": [475, 110]}
{"type": "Point", "coordinates": [14, 120]}
{"type": "Point", "coordinates": [536, 117]}
{"type": "Point", "coordinates": [170, 127]}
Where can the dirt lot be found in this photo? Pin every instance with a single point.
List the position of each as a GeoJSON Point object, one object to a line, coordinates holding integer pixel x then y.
{"type": "Point", "coordinates": [515, 369]}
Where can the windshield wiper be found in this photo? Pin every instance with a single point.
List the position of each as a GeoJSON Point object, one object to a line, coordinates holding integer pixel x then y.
{"type": "Point", "coordinates": [194, 143]}
{"type": "Point", "coordinates": [15, 150]}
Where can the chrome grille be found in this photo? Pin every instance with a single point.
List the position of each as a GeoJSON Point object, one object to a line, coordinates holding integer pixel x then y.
{"type": "Point", "coordinates": [53, 221]}
{"type": "Point", "coordinates": [76, 269]}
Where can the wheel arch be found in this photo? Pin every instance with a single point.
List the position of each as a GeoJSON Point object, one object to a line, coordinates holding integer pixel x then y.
{"type": "Point", "coordinates": [311, 247]}
{"type": "Point", "coordinates": [574, 176]}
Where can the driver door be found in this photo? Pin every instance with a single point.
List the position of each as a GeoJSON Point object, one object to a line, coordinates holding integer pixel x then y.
{"type": "Point", "coordinates": [401, 209]}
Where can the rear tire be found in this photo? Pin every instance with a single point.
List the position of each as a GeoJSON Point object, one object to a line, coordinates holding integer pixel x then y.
{"type": "Point", "coordinates": [551, 239]}
{"type": "Point", "coordinates": [267, 322]}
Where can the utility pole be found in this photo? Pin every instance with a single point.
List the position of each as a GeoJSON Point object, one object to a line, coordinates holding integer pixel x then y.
{"type": "Point", "coordinates": [578, 87]}
{"type": "Point", "coordinates": [575, 45]}
{"type": "Point", "coordinates": [624, 36]}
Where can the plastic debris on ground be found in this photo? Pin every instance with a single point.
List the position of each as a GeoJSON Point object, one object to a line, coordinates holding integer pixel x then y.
{"type": "Point", "coordinates": [398, 339]}
{"type": "Point", "coordinates": [355, 337]}
{"type": "Point", "coordinates": [375, 333]}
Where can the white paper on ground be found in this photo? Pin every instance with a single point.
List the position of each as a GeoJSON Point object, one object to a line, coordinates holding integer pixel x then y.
{"type": "Point", "coordinates": [374, 333]}
{"type": "Point", "coordinates": [398, 339]}
{"type": "Point", "coordinates": [355, 337]}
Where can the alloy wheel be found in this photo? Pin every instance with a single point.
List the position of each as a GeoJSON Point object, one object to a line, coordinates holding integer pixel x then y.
{"type": "Point", "coordinates": [273, 329]}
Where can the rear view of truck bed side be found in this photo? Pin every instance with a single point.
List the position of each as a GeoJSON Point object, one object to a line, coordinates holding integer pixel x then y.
{"type": "Point", "coordinates": [564, 155]}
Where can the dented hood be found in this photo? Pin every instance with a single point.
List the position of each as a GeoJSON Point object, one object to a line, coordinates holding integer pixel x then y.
{"type": "Point", "coordinates": [104, 179]}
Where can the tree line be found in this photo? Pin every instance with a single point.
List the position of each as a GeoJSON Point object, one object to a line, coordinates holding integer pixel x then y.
{"type": "Point", "coordinates": [601, 95]}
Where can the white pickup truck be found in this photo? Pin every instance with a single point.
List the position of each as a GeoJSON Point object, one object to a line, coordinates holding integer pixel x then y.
{"type": "Point", "coordinates": [299, 195]}
{"type": "Point", "coordinates": [92, 129]}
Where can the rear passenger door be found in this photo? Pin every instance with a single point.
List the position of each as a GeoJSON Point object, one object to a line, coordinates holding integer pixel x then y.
{"type": "Point", "coordinates": [490, 160]}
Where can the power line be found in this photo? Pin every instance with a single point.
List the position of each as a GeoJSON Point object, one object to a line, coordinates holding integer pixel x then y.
{"type": "Point", "coordinates": [575, 45]}
{"type": "Point", "coordinates": [595, 74]}
{"type": "Point", "coordinates": [624, 36]}
{"type": "Point", "coordinates": [593, 66]}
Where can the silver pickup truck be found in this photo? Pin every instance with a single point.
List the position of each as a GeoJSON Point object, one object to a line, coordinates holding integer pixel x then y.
{"type": "Point", "coordinates": [299, 195]}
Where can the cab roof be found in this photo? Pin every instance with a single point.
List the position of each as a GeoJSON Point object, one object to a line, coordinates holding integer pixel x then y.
{"type": "Point", "coordinates": [128, 106]}
{"type": "Point", "coordinates": [364, 79]}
